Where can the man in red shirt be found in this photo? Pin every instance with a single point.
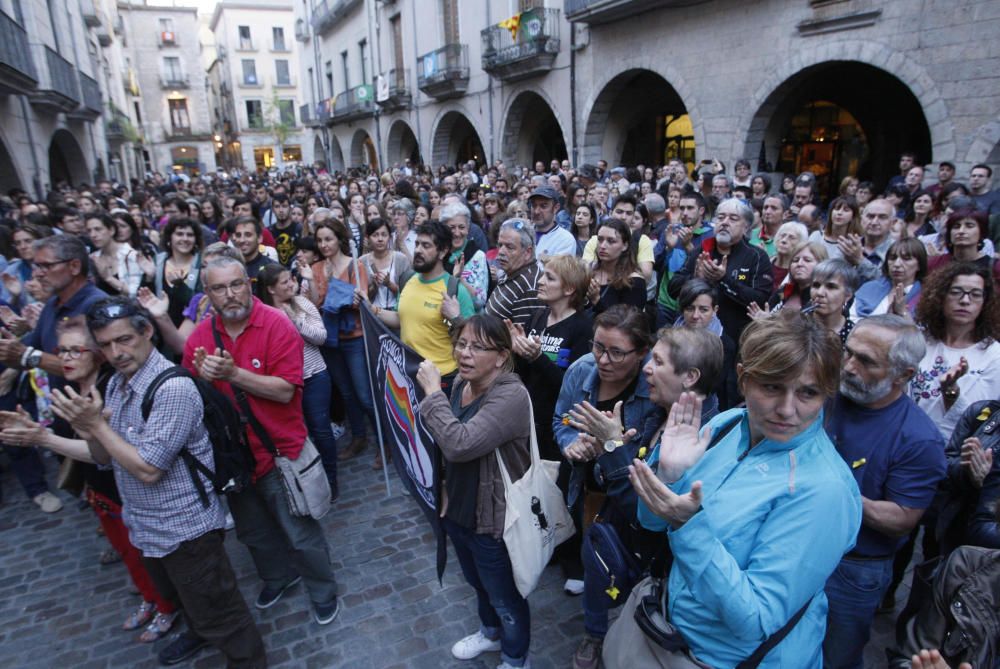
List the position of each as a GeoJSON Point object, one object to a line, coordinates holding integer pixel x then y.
{"type": "Point", "coordinates": [261, 355]}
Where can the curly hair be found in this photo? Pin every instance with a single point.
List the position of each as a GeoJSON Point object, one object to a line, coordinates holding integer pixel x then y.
{"type": "Point", "coordinates": [930, 309]}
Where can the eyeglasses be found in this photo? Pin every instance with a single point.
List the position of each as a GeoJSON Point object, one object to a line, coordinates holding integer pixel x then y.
{"type": "Point", "coordinates": [974, 295]}
{"type": "Point", "coordinates": [473, 348]}
{"type": "Point", "coordinates": [614, 354]}
{"type": "Point", "coordinates": [72, 352]}
{"type": "Point", "coordinates": [221, 289]}
{"type": "Point", "coordinates": [46, 266]}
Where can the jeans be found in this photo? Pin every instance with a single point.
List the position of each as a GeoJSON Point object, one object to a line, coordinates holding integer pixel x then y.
{"type": "Point", "coordinates": [282, 546]}
{"type": "Point", "coordinates": [316, 409]}
{"type": "Point", "coordinates": [854, 591]}
{"type": "Point", "coordinates": [26, 463]}
{"type": "Point", "coordinates": [349, 371]}
{"type": "Point", "coordinates": [199, 577]}
{"type": "Point", "coordinates": [503, 612]}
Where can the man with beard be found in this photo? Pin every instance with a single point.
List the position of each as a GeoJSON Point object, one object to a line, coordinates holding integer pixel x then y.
{"type": "Point", "coordinates": [516, 296]}
{"type": "Point", "coordinates": [550, 238]}
{"type": "Point", "coordinates": [253, 354]}
{"type": "Point", "coordinates": [430, 301]}
{"type": "Point", "coordinates": [246, 238]}
{"type": "Point", "coordinates": [284, 230]}
{"type": "Point", "coordinates": [675, 244]}
{"type": "Point", "coordinates": [897, 457]}
{"type": "Point", "coordinates": [741, 272]}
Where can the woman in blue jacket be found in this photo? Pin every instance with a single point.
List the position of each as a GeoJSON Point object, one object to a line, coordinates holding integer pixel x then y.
{"type": "Point", "coordinates": [758, 523]}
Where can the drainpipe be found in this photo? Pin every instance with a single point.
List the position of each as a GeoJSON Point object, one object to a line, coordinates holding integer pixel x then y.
{"type": "Point", "coordinates": [572, 93]}
{"type": "Point", "coordinates": [31, 141]}
{"type": "Point", "coordinates": [489, 91]}
{"type": "Point", "coordinates": [376, 50]}
{"type": "Point", "coordinates": [416, 89]}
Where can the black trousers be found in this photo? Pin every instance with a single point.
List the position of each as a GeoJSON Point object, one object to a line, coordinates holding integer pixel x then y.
{"type": "Point", "coordinates": [199, 578]}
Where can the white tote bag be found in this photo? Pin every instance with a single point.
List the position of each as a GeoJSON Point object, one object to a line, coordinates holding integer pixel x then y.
{"type": "Point", "coordinates": [536, 520]}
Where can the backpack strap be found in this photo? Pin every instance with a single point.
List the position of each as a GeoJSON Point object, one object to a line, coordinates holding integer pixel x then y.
{"type": "Point", "coordinates": [194, 465]}
{"type": "Point", "coordinates": [770, 642]}
{"type": "Point", "coordinates": [246, 413]}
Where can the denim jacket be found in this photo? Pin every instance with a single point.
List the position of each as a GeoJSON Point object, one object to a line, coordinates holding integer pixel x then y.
{"type": "Point", "coordinates": [582, 382]}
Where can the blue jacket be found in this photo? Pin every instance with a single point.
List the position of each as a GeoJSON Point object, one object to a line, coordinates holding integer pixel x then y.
{"type": "Point", "coordinates": [774, 524]}
{"type": "Point", "coordinates": [872, 292]}
{"type": "Point", "coordinates": [581, 382]}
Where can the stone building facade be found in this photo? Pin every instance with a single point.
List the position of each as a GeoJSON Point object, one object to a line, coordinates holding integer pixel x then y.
{"type": "Point", "coordinates": [836, 86]}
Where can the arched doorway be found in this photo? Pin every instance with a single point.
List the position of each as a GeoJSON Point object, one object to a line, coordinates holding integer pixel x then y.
{"type": "Point", "coordinates": [531, 132]}
{"type": "Point", "coordinates": [837, 119]}
{"type": "Point", "coordinates": [319, 155]}
{"type": "Point", "coordinates": [8, 171]}
{"type": "Point", "coordinates": [66, 160]}
{"type": "Point", "coordinates": [363, 150]}
{"type": "Point", "coordinates": [402, 144]}
{"type": "Point", "coordinates": [186, 157]}
{"type": "Point", "coordinates": [336, 155]}
{"type": "Point", "coordinates": [456, 141]}
{"type": "Point", "coordinates": [638, 117]}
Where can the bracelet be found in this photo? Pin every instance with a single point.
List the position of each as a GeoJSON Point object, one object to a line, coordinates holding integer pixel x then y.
{"type": "Point", "coordinates": [951, 392]}
{"type": "Point", "coordinates": [28, 350]}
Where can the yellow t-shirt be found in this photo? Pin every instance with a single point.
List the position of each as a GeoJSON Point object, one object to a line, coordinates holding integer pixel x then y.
{"type": "Point", "coordinates": [421, 326]}
{"type": "Point", "coordinates": [644, 253]}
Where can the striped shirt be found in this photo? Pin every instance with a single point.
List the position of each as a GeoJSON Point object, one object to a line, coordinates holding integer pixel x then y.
{"type": "Point", "coordinates": [516, 297]}
{"type": "Point", "coordinates": [162, 515]}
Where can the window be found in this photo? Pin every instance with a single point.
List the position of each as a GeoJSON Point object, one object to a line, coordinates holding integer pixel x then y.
{"type": "Point", "coordinates": [255, 115]}
{"type": "Point", "coordinates": [449, 16]}
{"type": "Point", "coordinates": [312, 87]}
{"type": "Point", "coordinates": [245, 42]}
{"type": "Point", "coordinates": [172, 69]}
{"type": "Point", "coordinates": [250, 71]}
{"type": "Point", "coordinates": [166, 25]}
{"type": "Point", "coordinates": [343, 64]}
{"type": "Point", "coordinates": [279, 39]}
{"type": "Point", "coordinates": [286, 111]}
{"type": "Point", "coordinates": [180, 121]}
{"type": "Point", "coordinates": [281, 71]}
{"type": "Point", "coordinates": [329, 78]}
{"type": "Point", "coordinates": [397, 42]}
{"type": "Point", "coordinates": [362, 47]}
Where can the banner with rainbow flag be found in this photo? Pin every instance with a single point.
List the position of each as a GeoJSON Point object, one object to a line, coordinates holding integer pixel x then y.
{"type": "Point", "coordinates": [392, 368]}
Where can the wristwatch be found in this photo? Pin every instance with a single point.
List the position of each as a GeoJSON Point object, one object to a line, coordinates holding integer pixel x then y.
{"type": "Point", "coordinates": [611, 444]}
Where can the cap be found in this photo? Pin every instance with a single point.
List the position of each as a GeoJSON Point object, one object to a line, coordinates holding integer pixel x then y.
{"type": "Point", "coordinates": [619, 171]}
{"type": "Point", "coordinates": [588, 171]}
{"type": "Point", "coordinates": [545, 191]}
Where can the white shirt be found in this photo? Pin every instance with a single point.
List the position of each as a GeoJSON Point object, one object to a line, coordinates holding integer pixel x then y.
{"type": "Point", "coordinates": [557, 241]}
{"type": "Point", "coordinates": [981, 382]}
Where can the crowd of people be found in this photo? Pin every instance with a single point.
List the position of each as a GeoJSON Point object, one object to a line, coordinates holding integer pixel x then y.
{"type": "Point", "coordinates": [764, 394]}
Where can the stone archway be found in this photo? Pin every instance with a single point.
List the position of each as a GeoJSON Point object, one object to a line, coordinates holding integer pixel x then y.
{"type": "Point", "coordinates": [336, 155]}
{"type": "Point", "coordinates": [66, 160]}
{"type": "Point", "coordinates": [319, 155]}
{"type": "Point", "coordinates": [868, 142]}
{"type": "Point", "coordinates": [9, 177]}
{"type": "Point", "coordinates": [363, 150]}
{"type": "Point", "coordinates": [532, 131]}
{"type": "Point", "coordinates": [753, 125]}
{"type": "Point", "coordinates": [402, 144]}
{"type": "Point", "coordinates": [638, 116]}
{"type": "Point", "coordinates": [455, 140]}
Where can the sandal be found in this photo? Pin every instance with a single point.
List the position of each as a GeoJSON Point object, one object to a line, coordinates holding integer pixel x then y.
{"type": "Point", "coordinates": [109, 556]}
{"type": "Point", "coordinates": [140, 616]}
{"type": "Point", "coordinates": [159, 627]}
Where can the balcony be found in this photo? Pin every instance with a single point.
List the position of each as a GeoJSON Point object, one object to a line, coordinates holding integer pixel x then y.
{"type": "Point", "coordinates": [318, 116]}
{"type": "Point", "coordinates": [91, 14]}
{"type": "Point", "coordinates": [444, 73]}
{"type": "Point", "coordinates": [118, 128]}
{"type": "Point", "coordinates": [394, 92]}
{"type": "Point", "coordinates": [174, 80]}
{"type": "Point", "coordinates": [607, 11]}
{"type": "Point", "coordinates": [531, 54]}
{"type": "Point", "coordinates": [57, 87]}
{"type": "Point", "coordinates": [17, 69]}
{"type": "Point", "coordinates": [327, 13]}
{"type": "Point", "coordinates": [167, 38]}
{"type": "Point", "coordinates": [353, 104]}
{"type": "Point", "coordinates": [301, 30]}
{"type": "Point", "coordinates": [91, 106]}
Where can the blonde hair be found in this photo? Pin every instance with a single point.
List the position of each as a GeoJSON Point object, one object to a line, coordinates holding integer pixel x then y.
{"type": "Point", "coordinates": [784, 345]}
{"type": "Point", "coordinates": [572, 272]}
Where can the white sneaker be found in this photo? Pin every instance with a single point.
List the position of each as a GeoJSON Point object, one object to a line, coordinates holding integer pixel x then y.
{"type": "Point", "coordinates": [47, 502]}
{"type": "Point", "coordinates": [474, 645]}
{"type": "Point", "coordinates": [504, 665]}
{"type": "Point", "coordinates": [573, 586]}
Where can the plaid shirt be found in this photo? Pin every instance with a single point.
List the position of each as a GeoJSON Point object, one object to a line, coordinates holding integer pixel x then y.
{"type": "Point", "coordinates": [161, 516]}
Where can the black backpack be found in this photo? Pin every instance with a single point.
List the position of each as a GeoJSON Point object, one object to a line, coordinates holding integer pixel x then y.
{"type": "Point", "coordinates": [234, 462]}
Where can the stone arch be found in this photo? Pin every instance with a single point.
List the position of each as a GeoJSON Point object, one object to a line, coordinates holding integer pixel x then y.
{"type": "Point", "coordinates": [9, 177]}
{"type": "Point", "coordinates": [609, 89]}
{"type": "Point", "coordinates": [402, 144]}
{"type": "Point", "coordinates": [455, 138]}
{"type": "Point", "coordinates": [363, 149]}
{"type": "Point", "coordinates": [66, 159]}
{"type": "Point", "coordinates": [336, 155]}
{"type": "Point", "coordinates": [532, 130]}
{"type": "Point", "coordinates": [752, 126]}
{"type": "Point", "coordinates": [318, 153]}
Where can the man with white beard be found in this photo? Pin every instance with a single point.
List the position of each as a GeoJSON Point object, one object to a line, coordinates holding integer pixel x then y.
{"type": "Point", "coordinates": [897, 457]}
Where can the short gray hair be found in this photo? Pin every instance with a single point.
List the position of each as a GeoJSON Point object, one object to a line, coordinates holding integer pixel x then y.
{"type": "Point", "coordinates": [722, 177]}
{"type": "Point", "coordinates": [655, 204]}
{"type": "Point", "coordinates": [66, 248]}
{"type": "Point", "coordinates": [222, 262]}
{"type": "Point", "coordinates": [909, 347]}
{"type": "Point", "coordinates": [742, 208]}
{"type": "Point", "coordinates": [453, 209]}
{"type": "Point", "coordinates": [524, 230]}
{"type": "Point", "coordinates": [406, 206]}
{"type": "Point", "coordinates": [795, 227]}
{"type": "Point", "coordinates": [837, 267]}
{"type": "Point", "coordinates": [222, 249]}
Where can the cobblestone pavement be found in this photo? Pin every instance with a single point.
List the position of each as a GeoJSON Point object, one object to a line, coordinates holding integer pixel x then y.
{"type": "Point", "coordinates": [60, 609]}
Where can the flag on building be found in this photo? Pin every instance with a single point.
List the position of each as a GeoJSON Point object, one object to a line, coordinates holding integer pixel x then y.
{"type": "Point", "coordinates": [512, 25]}
{"type": "Point", "coordinates": [392, 368]}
